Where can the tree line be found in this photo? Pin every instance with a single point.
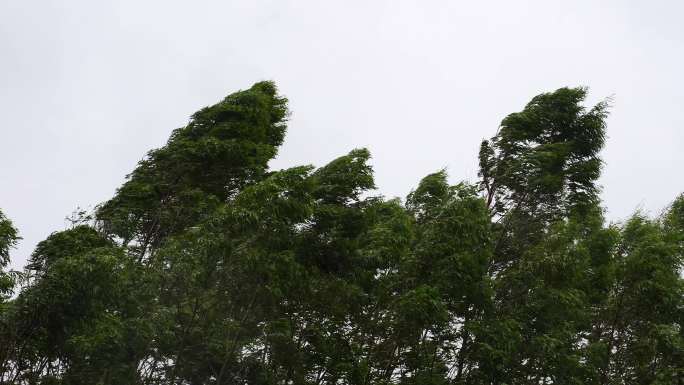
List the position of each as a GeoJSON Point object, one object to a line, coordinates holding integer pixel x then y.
{"type": "Point", "coordinates": [207, 267]}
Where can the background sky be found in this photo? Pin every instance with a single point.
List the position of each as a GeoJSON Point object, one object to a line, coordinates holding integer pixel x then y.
{"type": "Point", "coordinates": [88, 87]}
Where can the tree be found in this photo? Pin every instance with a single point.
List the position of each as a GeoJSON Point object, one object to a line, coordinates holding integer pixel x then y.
{"type": "Point", "coordinates": [8, 239]}
{"type": "Point", "coordinates": [538, 177]}
{"type": "Point", "coordinates": [79, 319]}
{"type": "Point", "coordinates": [224, 148]}
{"type": "Point", "coordinates": [543, 161]}
{"type": "Point", "coordinates": [207, 267]}
{"type": "Point", "coordinates": [640, 338]}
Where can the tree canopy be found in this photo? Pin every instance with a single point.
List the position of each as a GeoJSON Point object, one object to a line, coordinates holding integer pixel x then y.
{"type": "Point", "coordinates": [208, 267]}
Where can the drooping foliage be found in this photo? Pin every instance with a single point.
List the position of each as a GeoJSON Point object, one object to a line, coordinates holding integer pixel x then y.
{"type": "Point", "coordinates": [207, 267]}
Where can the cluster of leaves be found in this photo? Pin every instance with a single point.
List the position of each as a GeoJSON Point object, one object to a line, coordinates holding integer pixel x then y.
{"type": "Point", "coordinates": [8, 239]}
{"type": "Point", "coordinates": [208, 268]}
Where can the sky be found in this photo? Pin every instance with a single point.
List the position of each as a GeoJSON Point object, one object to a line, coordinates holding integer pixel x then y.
{"type": "Point", "coordinates": [88, 87]}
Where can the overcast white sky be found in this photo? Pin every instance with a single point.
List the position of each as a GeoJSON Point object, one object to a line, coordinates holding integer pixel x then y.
{"type": "Point", "coordinates": [87, 87]}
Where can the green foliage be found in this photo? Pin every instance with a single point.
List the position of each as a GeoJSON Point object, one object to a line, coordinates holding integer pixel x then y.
{"type": "Point", "coordinates": [544, 160]}
{"type": "Point", "coordinates": [8, 239]}
{"type": "Point", "coordinates": [63, 244]}
{"type": "Point", "coordinates": [206, 267]}
{"type": "Point", "coordinates": [79, 318]}
{"type": "Point", "coordinates": [224, 147]}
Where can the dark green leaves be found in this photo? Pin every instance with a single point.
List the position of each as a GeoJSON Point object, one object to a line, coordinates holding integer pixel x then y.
{"type": "Point", "coordinates": [224, 148]}
{"type": "Point", "coordinates": [206, 267]}
{"type": "Point", "coordinates": [544, 160]}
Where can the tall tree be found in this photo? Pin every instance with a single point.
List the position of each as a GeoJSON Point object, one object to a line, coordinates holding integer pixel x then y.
{"type": "Point", "coordinates": [207, 267]}
{"type": "Point", "coordinates": [538, 174]}
{"type": "Point", "coordinates": [224, 147]}
{"type": "Point", "coordinates": [544, 160]}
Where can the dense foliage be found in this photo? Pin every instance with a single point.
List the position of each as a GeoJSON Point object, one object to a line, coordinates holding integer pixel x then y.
{"type": "Point", "coordinates": [206, 267]}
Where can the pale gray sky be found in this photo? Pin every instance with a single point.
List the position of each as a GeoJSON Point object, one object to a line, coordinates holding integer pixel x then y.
{"type": "Point", "coordinates": [87, 87]}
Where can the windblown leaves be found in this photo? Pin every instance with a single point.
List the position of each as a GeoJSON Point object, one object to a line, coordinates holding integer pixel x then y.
{"type": "Point", "coordinates": [224, 148]}
{"type": "Point", "coordinates": [206, 267]}
{"type": "Point", "coordinates": [544, 160]}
